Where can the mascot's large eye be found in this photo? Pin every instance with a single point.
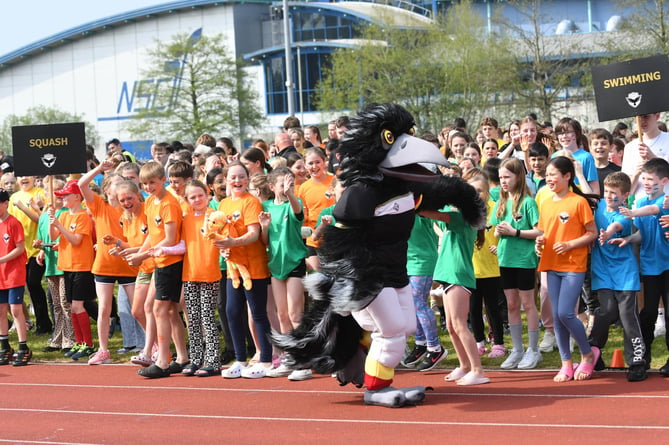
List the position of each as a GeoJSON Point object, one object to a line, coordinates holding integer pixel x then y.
{"type": "Point", "coordinates": [412, 131]}
{"type": "Point", "coordinates": [388, 137]}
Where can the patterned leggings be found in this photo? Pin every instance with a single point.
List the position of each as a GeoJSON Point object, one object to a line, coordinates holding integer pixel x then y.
{"type": "Point", "coordinates": [204, 341]}
{"type": "Point", "coordinates": [426, 322]}
{"type": "Point", "coordinates": [63, 332]}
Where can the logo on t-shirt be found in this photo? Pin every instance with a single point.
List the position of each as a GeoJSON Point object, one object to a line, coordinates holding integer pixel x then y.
{"type": "Point", "coordinates": [488, 227]}
{"type": "Point", "coordinates": [564, 217]}
{"type": "Point", "coordinates": [73, 226]}
{"type": "Point", "coordinates": [6, 237]}
{"type": "Point", "coordinates": [120, 223]}
{"type": "Point", "coordinates": [518, 217]}
{"type": "Point", "coordinates": [144, 230]}
{"type": "Point", "coordinates": [236, 215]}
{"type": "Point", "coordinates": [158, 220]}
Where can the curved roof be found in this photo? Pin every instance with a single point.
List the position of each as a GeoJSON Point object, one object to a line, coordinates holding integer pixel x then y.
{"type": "Point", "coordinates": [368, 11]}
{"type": "Point", "coordinates": [104, 24]}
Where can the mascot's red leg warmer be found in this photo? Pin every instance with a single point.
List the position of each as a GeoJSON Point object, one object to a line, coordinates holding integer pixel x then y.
{"type": "Point", "coordinates": [391, 318]}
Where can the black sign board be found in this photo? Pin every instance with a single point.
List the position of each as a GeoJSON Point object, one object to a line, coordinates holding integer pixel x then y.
{"type": "Point", "coordinates": [631, 88]}
{"type": "Point", "coordinates": [54, 149]}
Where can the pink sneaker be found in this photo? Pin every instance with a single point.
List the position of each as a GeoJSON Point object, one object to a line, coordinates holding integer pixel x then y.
{"type": "Point", "coordinates": [483, 350]}
{"type": "Point", "coordinates": [497, 351]}
{"type": "Point", "coordinates": [100, 358]}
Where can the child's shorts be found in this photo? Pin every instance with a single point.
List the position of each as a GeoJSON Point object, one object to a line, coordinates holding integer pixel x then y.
{"type": "Point", "coordinates": [79, 286]}
{"type": "Point", "coordinates": [168, 282]}
{"type": "Point", "coordinates": [518, 278]}
{"type": "Point", "coordinates": [300, 271]}
{"type": "Point", "coordinates": [110, 279]}
{"type": "Point", "coordinates": [12, 296]}
{"type": "Point", "coordinates": [144, 278]}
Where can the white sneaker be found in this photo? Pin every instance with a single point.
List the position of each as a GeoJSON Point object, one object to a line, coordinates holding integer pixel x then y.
{"type": "Point", "coordinates": [530, 359]}
{"type": "Point", "coordinates": [280, 371]}
{"type": "Point", "coordinates": [234, 371]}
{"type": "Point", "coordinates": [548, 343]}
{"type": "Point", "coordinates": [512, 360]}
{"type": "Point", "coordinates": [300, 374]}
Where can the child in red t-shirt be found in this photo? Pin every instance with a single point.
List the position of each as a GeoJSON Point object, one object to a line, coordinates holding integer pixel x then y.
{"type": "Point", "coordinates": [12, 283]}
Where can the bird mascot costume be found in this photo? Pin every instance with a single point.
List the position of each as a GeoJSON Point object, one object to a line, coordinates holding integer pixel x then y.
{"type": "Point", "coordinates": [363, 284]}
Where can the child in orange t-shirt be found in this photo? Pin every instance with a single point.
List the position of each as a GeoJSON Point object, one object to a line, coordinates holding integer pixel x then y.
{"type": "Point", "coordinates": [245, 209]}
{"type": "Point", "coordinates": [12, 284]}
{"type": "Point", "coordinates": [201, 274]}
{"type": "Point", "coordinates": [568, 227]}
{"type": "Point", "coordinates": [109, 269]}
{"type": "Point", "coordinates": [315, 196]}
{"type": "Point", "coordinates": [135, 231]}
{"type": "Point", "coordinates": [164, 217]}
{"type": "Point", "coordinates": [74, 230]}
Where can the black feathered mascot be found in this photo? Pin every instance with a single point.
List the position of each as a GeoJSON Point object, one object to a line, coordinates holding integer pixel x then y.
{"type": "Point", "coordinates": [363, 283]}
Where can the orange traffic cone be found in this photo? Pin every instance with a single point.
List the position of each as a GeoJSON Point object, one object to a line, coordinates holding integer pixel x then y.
{"type": "Point", "coordinates": [617, 361]}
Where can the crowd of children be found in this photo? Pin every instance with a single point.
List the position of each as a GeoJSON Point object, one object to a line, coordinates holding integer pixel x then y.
{"type": "Point", "coordinates": [563, 221]}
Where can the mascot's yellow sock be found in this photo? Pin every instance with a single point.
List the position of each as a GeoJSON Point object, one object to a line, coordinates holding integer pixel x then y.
{"type": "Point", "coordinates": [377, 376]}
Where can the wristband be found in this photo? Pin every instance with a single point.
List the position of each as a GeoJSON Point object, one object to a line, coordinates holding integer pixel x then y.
{"type": "Point", "coordinates": [517, 233]}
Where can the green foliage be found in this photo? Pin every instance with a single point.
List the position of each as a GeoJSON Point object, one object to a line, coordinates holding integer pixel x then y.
{"type": "Point", "coordinates": [540, 74]}
{"type": "Point", "coordinates": [212, 94]}
{"type": "Point", "coordinates": [447, 69]}
{"type": "Point", "coordinates": [40, 115]}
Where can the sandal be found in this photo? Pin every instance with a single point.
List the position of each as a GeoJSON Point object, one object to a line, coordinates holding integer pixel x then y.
{"type": "Point", "coordinates": [455, 375]}
{"type": "Point", "coordinates": [207, 371]}
{"type": "Point", "coordinates": [154, 372]}
{"type": "Point", "coordinates": [566, 371]}
{"type": "Point", "coordinates": [190, 369]}
{"type": "Point", "coordinates": [256, 371]}
{"type": "Point", "coordinates": [497, 351]}
{"type": "Point", "coordinates": [22, 357]}
{"type": "Point", "coordinates": [6, 356]}
{"type": "Point", "coordinates": [587, 368]}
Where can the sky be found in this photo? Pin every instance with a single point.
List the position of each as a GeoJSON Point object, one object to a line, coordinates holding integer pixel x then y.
{"type": "Point", "coordinates": [27, 21]}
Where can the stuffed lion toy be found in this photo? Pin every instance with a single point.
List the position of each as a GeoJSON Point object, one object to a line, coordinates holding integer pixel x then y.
{"type": "Point", "coordinates": [219, 226]}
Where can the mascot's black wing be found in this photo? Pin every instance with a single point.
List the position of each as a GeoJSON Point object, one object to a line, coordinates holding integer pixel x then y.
{"type": "Point", "coordinates": [450, 190]}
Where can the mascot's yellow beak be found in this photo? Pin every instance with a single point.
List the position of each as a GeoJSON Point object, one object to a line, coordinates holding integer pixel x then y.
{"type": "Point", "coordinates": [406, 155]}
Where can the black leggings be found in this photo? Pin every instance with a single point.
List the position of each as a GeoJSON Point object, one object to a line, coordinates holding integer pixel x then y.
{"type": "Point", "coordinates": [487, 290]}
{"type": "Point", "coordinates": [655, 287]}
{"type": "Point", "coordinates": [34, 274]}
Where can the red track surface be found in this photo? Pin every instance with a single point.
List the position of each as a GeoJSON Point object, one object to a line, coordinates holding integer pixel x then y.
{"type": "Point", "coordinates": [72, 403]}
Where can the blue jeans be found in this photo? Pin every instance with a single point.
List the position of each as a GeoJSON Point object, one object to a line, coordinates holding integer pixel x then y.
{"type": "Point", "coordinates": [235, 310]}
{"type": "Point", "coordinates": [564, 289]}
{"type": "Point", "coordinates": [133, 334]}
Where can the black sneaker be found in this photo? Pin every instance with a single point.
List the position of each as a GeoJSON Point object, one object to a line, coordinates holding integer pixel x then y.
{"type": "Point", "coordinates": [432, 359]}
{"type": "Point", "coordinates": [83, 351]}
{"type": "Point", "coordinates": [637, 373]}
{"type": "Point", "coordinates": [415, 356]}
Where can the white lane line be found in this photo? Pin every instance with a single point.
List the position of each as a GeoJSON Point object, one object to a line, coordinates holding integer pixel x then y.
{"type": "Point", "coordinates": [329, 420]}
{"type": "Point", "coordinates": [305, 391]}
{"type": "Point", "coordinates": [44, 442]}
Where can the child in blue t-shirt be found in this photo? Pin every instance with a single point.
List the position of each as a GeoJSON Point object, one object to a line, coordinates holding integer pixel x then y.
{"type": "Point", "coordinates": [654, 251]}
{"type": "Point", "coordinates": [615, 276]}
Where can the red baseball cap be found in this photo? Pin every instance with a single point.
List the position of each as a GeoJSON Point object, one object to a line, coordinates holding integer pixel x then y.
{"type": "Point", "coordinates": [71, 187]}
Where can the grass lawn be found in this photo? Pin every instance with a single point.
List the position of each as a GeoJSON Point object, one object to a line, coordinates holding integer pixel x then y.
{"type": "Point", "coordinates": [551, 359]}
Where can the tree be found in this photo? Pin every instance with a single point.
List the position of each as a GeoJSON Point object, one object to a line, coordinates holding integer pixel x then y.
{"type": "Point", "coordinates": [40, 115]}
{"type": "Point", "coordinates": [197, 88]}
{"type": "Point", "coordinates": [652, 17]}
{"type": "Point", "coordinates": [444, 70]}
{"type": "Point", "coordinates": [540, 73]}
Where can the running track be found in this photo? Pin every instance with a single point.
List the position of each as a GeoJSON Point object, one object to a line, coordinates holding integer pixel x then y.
{"type": "Point", "coordinates": [73, 403]}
